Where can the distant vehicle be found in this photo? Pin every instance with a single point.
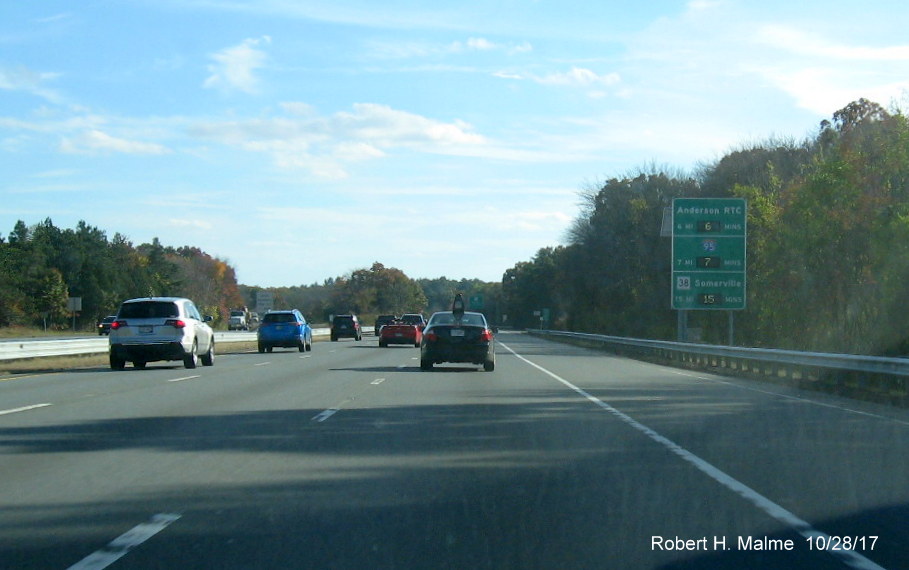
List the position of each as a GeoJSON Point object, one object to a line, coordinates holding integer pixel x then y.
{"type": "Point", "coordinates": [160, 328]}
{"type": "Point", "coordinates": [104, 325]}
{"type": "Point", "coordinates": [458, 336]}
{"type": "Point", "coordinates": [345, 326]}
{"type": "Point", "coordinates": [239, 320]}
{"type": "Point", "coordinates": [414, 319]}
{"type": "Point", "coordinates": [287, 329]}
{"type": "Point", "coordinates": [383, 320]}
{"type": "Point", "coordinates": [401, 332]}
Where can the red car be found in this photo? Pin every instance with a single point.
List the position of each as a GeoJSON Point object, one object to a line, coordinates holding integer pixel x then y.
{"type": "Point", "coordinates": [406, 330]}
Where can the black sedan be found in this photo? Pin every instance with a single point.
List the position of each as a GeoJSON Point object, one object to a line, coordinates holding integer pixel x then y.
{"type": "Point", "coordinates": [104, 325]}
{"type": "Point", "coordinates": [457, 336]}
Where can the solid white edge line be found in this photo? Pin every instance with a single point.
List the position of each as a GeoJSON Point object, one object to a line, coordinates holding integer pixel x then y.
{"type": "Point", "coordinates": [24, 409]}
{"type": "Point", "coordinates": [118, 547]}
{"type": "Point", "coordinates": [849, 557]}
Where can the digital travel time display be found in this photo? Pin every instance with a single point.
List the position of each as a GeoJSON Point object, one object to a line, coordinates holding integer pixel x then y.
{"type": "Point", "coordinates": [710, 262]}
{"type": "Point", "coordinates": [709, 226]}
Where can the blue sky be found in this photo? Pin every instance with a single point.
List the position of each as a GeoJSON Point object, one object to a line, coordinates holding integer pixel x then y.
{"type": "Point", "coordinates": [301, 140]}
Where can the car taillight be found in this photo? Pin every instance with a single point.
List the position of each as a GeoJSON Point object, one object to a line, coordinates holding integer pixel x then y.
{"type": "Point", "coordinates": [176, 323]}
{"type": "Point", "coordinates": [431, 336]}
{"type": "Point", "coordinates": [486, 335]}
{"type": "Point", "coordinates": [117, 324]}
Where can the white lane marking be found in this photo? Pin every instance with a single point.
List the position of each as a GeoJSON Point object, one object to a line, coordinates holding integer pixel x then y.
{"type": "Point", "coordinates": [23, 409]}
{"type": "Point", "coordinates": [789, 397]}
{"type": "Point", "coordinates": [377, 381]}
{"type": "Point", "coordinates": [124, 543]}
{"type": "Point", "coordinates": [325, 414]}
{"type": "Point", "coordinates": [401, 366]}
{"type": "Point", "coordinates": [307, 356]}
{"type": "Point", "coordinates": [849, 557]}
{"type": "Point", "coordinates": [262, 364]}
{"type": "Point", "coordinates": [184, 378]}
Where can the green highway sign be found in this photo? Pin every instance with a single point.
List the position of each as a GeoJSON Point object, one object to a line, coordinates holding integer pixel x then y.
{"type": "Point", "coordinates": [708, 253]}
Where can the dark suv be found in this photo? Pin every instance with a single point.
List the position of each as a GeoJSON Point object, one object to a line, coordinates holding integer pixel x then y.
{"type": "Point", "coordinates": [345, 326]}
{"type": "Point", "coordinates": [383, 320]}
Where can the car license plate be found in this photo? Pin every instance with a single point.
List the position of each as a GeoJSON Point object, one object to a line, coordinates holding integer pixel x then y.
{"type": "Point", "coordinates": [457, 332]}
{"type": "Point", "coordinates": [399, 334]}
{"type": "Point", "coordinates": [146, 329]}
{"type": "Point", "coordinates": [279, 328]}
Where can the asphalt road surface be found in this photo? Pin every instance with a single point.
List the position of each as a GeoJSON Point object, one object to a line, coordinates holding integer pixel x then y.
{"type": "Point", "coordinates": [351, 457]}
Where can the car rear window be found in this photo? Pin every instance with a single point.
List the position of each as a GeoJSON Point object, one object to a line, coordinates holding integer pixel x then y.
{"type": "Point", "coordinates": [280, 318]}
{"type": "Point", "coordinates": [470, 319]}
{"type": "Point", "coordinates": [149, 310]}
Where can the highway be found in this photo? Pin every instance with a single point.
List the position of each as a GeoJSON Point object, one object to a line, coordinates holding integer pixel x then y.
{"type": "Point", "coordinates": [351, 457]}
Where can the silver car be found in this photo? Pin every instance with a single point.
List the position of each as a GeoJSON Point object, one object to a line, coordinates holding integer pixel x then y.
{"type": "Point", "coordinates": [160, 328]}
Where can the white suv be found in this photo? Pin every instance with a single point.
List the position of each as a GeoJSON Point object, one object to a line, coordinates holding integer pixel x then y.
{"type": "Point", "coordinates": [160, 328]}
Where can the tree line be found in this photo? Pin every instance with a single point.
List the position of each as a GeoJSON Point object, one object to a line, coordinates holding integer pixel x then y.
{"type": "Point", "coordinates": [827, 245]}
{"type": "Point", "coordinates": [378, 290]}
{"type": "Point", "coordinates": [42, 266]}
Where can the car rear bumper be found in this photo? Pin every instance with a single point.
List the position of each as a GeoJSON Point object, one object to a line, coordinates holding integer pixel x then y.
{"type": "Point", "coordinates": [148, 352]}
{"type": "Point", "coordinates": [473, 353]}
{"type": "Point", "coordinates": [345, 334]}
{"type": "Point", "coordinates": [284, 341]}
{"type": "Point", "coordinates": [391, 339]}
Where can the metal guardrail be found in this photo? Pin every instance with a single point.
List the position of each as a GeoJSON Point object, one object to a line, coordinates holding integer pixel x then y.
{"type": "Point", "coordinates": [39, 348]}
{"type": "Point", "coordinates": [866, 377]}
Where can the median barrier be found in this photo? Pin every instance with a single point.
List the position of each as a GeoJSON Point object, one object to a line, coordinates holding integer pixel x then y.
{"type": "Point", "coordinates": [41, 348]}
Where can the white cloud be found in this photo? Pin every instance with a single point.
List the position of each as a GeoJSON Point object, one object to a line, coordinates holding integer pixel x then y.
{"type": "Point", "coordinates": [474, 44]}
{"type": "Point", "coordinates": [323, 145]}
{"type": "Point", "coordinates": [28, 81]}
{"type": "Point", "coordinates": [579, 77]}
{"type": "Point", "coordinates": [823, 75]}
{"type": "Point", "coordinates": [801, 43]}
{"type": "Point", "coordinates": [406, 50]}
{"type": "Point", "coordinates": [699, 5]}
{"type": "Point", "coordinates": [97, 141]}
{"type": "Point", "coordinates": [234, 67]}
{"type": "Point", "coordinates": [192, 224]}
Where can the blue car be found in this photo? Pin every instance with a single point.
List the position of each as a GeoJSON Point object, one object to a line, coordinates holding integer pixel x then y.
{"type": "Point", "coordinates": [287, 329]}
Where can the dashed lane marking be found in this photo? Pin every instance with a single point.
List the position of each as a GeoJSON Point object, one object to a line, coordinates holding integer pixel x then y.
{"type": "Point", "coordinates": [118, 548]}
{"type": "Point", "coordinates": [23, 409]}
